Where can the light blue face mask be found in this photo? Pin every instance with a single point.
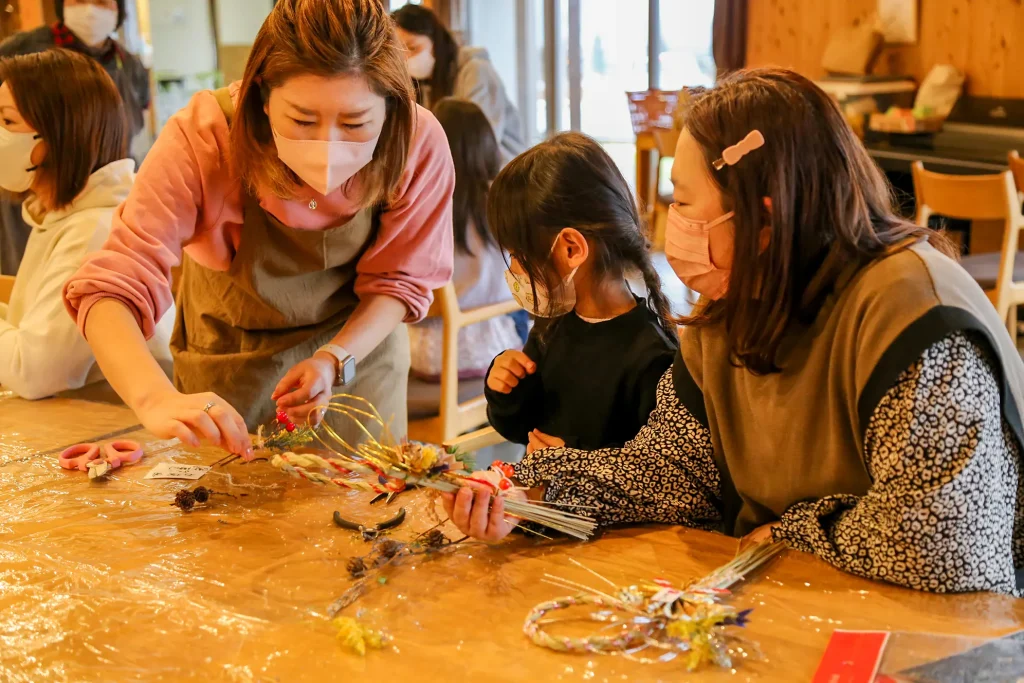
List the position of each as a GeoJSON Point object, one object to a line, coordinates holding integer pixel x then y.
{"type": "Point", "coordinates": [543, 305]}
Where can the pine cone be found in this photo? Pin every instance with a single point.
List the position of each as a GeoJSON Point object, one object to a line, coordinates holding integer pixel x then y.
{"type": "Point", "coordinates": [435, 539]}
{"type": "Point", "coordinates": [388, 548]}
{"type": "Point", "coordinates": [202, 494]}
{"type": "Point", "coordinates": [356, 567]}
{"type": "Point", "coordinates": [185, 500]}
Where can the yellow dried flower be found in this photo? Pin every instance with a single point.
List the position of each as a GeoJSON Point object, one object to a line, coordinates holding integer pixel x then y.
{"type": "Point", "coordinates": [357, 637]}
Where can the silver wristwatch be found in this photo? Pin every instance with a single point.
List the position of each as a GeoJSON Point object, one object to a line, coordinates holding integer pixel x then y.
{"type": "Point", "coordinates": [345, 364]}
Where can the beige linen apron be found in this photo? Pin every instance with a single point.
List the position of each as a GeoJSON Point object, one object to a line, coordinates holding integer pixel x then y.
{"type": "Point", "coordinates": [286, 293]}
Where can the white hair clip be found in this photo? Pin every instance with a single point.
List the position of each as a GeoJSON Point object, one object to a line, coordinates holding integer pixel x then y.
{"type": "Point", "coordinates": [732, 155]}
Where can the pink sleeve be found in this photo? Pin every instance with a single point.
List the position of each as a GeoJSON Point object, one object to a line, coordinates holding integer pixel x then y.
{"type": "Point", "coordinates": [414, 250]}
{"type": "Point", "coordinates": [180, 187]}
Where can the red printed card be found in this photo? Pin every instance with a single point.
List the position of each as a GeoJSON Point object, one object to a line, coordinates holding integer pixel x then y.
{"type": "Point", "coordinates": [851, 657]}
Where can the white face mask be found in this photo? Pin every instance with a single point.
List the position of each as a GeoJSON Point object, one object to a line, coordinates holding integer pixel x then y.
{"type": "Point", "coordinates": [324, 165]}
{"type": "Point", "coordinates": [544, 305]}
{"type": "Point", "coordinates": [17, 173]}
{"type": "Point", "coordinates": [421, 65]}
{"type": "Point", "coordinates": [90, 23]}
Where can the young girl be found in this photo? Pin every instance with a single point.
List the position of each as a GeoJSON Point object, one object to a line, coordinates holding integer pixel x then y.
{"type": "Point", "coordinates": [64, 143]}
{"type": "Point", "coordinates": [588, 373]}
{"type": "Point", "coordinates": [844, 386]}
{"type": "Point", "coordinates": [479, 276]}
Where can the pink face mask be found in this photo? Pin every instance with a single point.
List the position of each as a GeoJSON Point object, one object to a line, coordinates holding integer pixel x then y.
{"type": "Point", "coordinates": [324, 165]}
{"type": "Point", "coordinates": [689, 253]}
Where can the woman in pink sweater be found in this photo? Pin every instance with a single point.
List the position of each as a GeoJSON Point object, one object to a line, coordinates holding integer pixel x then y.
{"type": "Point", "coordinates": [312, 203]}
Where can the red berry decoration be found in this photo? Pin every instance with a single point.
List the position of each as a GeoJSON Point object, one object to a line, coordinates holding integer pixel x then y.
{"type": "Point", "coordinates": [290, 427]}
{"type": "Point", "coordinates": [282, 417]}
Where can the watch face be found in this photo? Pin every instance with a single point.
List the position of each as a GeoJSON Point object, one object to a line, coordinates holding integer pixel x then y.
{"type": "Point", "coordinates": [348, 371]}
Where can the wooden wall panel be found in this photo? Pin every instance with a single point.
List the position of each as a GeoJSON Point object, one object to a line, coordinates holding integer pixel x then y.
{"type": "Point", "coordinates": [982, 38]}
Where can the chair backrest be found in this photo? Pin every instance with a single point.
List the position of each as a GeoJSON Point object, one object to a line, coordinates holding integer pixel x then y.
{"type": "Point", "coordinates": [968, 197]}
{"type": "Point", "coordinates": [1017, 169]}
{"type": "Point", "coordinates": [455, 418]}
{"type": "Point", "coordinates": [979, 197]}
{"type": "Point", "coordinates": [6, 286]}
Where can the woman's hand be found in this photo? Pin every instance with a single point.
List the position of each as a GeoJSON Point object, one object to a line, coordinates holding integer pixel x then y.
{"type": "Point", "coordinates": [480, 515]}
{"type": "Point", "coordinates": [509, 367]}
{"type": "Point", "coordinates": [761, 533]}
{"type": "Point", "coordinates": [174, 414]}
{"type": "Point", "coordinates": [306, 389]}
{"type": "Point", "coordinates": [538, 441]}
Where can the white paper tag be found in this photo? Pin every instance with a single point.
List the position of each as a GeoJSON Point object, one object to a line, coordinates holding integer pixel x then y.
{"type": "Point", "coordinates": [166, 470]}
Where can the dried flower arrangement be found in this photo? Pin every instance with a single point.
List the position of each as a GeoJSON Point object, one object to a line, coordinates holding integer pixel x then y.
{"type": "Point", "coordinates": [380, 465]}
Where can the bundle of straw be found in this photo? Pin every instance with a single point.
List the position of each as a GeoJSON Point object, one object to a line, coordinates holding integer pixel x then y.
{"type": "Point", "coordinates": [395, 466]}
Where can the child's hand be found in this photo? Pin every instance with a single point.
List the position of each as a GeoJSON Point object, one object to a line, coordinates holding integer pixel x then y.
{"type": "Point", "coordinates": [539, 441]}
{"type": "Point", "coordinates": [510, 367]}
{"type": "Point", "coordinates": [480, 515]}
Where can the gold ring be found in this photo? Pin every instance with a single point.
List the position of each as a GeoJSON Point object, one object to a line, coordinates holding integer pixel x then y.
{"type": "Point", "coordinates": [209, 407]}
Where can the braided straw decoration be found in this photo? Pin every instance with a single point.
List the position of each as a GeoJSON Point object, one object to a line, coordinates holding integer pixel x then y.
{"type": "Point", "coordinates": [297, 464]}
{"type": "Point", "coordinates": [625, 640]}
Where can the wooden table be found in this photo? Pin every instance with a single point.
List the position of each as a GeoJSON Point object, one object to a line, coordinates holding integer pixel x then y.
{"type": "Point", "coordinates": [108, 582]}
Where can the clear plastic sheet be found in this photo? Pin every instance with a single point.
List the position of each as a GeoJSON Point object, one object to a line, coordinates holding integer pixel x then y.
{"type": "Point", "coordinates": [109, 582]}
{"type": "Point", "coordinates": [933, 658]}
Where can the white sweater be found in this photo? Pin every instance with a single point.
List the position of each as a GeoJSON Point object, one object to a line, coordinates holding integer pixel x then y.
{"type": "Point", "coordinates": [41, 350]}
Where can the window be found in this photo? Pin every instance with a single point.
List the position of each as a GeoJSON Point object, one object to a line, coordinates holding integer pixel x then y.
{"type": "Point", "coordinates": [684, 44]}
{"type": "Point", "coordinates": [569, 63]}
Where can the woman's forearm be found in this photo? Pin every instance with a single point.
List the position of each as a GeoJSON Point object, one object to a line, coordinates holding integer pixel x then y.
{"type": "Point", "coordinates": [371, 322]}
{"type": "Point", "coordinates": [122, 354]}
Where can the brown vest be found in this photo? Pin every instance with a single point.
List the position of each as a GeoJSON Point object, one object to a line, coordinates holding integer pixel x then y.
{"type": "Point", "coordinates": [798, 434]}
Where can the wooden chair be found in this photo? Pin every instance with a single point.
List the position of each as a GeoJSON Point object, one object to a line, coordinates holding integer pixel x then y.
{"type": "Point", "coordinates": [981, 198]}
{"type": "Point", "coordinates": [651, 148]}
{"type": "Point", "coordinates": [462, 406]}
{"type": "Point", "coordinates": [6, 285]}
{"type": "Point", "coordinates": [653, 116]}
{"type": "Point", "coordinates": [1017, 169]}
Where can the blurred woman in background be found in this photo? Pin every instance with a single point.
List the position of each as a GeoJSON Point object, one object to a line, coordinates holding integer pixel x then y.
{"type": "Point", "coordinates": [479, 276]}
{"type": "Point", "coordinates": [442, 69]}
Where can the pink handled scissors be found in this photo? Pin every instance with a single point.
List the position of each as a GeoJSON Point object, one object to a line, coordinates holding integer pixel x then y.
{"type": "Point", "coordinates": [99, 460]}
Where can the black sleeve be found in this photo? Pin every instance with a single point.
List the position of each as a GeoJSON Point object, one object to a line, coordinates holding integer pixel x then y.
{"type": "Point", "coordinates": [516, 414]}
{"type": "Point", "coordinates": [20, 44]}
{"type": "Point", "coordinates": [14, 45]}
{"type": "Point", "coordinates": [643, 393]}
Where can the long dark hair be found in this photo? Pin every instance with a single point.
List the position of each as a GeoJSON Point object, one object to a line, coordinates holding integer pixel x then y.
{"type": "Point", "coordinates": [830, 206]}
{"type": "Point", "coordinates": [569, 181]}
{"type": "Point", "coordinates": [423, 22]}
{"type": "Point", "coordinates": [477, 162]}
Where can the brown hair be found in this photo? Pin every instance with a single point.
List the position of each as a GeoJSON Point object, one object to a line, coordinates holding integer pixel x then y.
{"type": "Point", "coordinates": [569, 181]}
{"type": "Point", "coordinates": [74, 106]}
{"type": "Point", "coordinates": [327, 38]}
{"type": "Point", "coordinates": [830, 206]}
